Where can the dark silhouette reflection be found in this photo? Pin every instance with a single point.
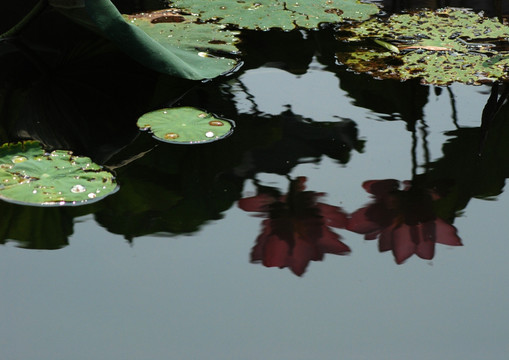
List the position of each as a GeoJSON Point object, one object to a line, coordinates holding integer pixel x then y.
{"type": "Point", "coordinates": [290, 51]}
{"type": "Point", "coordinates": [173, 189]}
{"type": "Point", "coordinates": [274, 143]}
{"type": "Point", "coordinates": [38, 227]}
{"type": "Point", "coordinates": [470, 174]}
{"type": "Point", "coordinates": [392, 99]}
{"type": "Point", "coordinates": [498, 96]}
{"type": "Point", "coordinates": [301, 140]}
{"type": "Point", "coordinates": [404, 221]}
{"type": "Point", "coordinates": [297, 230]}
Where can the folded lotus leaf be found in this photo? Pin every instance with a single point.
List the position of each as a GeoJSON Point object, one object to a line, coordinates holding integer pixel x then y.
{"type": "Point", "coordinates": [268, 14]}
{"type": "Point", "coordinates": [167, 41]}
{"type": "Point", "coordinates": [185, 125]}
{"type": "Point", "coordinates": [30, 176]}
{"type": "Point", "coordinates": [439, 47]}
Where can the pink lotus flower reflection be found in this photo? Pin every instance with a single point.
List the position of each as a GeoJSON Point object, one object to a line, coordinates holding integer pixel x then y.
{"type": "Point", "coordinates": [404, 221]}
{"type": "Point", "coordinates": [297, 229]}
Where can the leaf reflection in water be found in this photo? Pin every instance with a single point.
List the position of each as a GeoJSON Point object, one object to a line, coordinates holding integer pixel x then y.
{"type": "Point", "coordinates": [297, 230]}
{"type": "Point", "coordinates": [404, 221]}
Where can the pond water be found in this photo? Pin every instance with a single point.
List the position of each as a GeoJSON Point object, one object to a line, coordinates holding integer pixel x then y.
{"type": "Point", "coordinates": [386, 216]}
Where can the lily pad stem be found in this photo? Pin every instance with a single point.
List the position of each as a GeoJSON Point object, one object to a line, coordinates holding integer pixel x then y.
{"type": "Point", "coordinates": [36, 10]}
{"type": "Point", "coordinates": [130, 160]}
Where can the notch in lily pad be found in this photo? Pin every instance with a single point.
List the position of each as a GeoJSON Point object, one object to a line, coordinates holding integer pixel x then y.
{"type": "Point", "coordinates": [185, 125]}
{"type": "Point", "coordinates": [31, 176]}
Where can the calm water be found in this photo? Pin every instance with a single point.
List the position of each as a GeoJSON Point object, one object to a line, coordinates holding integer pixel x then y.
{"type": "Point", "coordinates": [175, 265]}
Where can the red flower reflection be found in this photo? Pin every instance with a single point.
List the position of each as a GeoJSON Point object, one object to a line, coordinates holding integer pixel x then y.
{"type": "Point", "coordinates": [403, 220]}
{"type": "Point", "coordinates": [297, 230]}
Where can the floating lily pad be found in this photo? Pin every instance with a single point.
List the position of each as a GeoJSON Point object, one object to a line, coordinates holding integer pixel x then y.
{"type": "Point", "coordinates": [287, 15]}
{"type": "Point", "coordinates": [440, 47]}
{"type": "Point", "coordinates": [185, 125]}
{"type": "Point", "coordinates": [168, 41]}
{"type": "Point", "coordinates": [28, 175]}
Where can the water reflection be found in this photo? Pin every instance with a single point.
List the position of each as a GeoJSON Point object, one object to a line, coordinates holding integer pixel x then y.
{"type": "Point", "coordinates": [393, 99]}
{"type": "Point", "coordinates": [192, 295]}
{"type": "Point", "coordinates": [298, 140]}
{"type": "Point", "coordinates": [174, 190]}
{"type": "Point", "coordinates": [404, 221]}
{"type": "Point", "coordinates": [499, 94]}
{"type": "Point", "coordinates": [37, 227]}
{"type": "Point", "coordinates": [297, 229]}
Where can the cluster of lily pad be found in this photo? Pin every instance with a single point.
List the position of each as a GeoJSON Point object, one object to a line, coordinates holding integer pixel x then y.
{"type": "Point", "coordinates": [197, 41]}
{"type": "Point", "coordinates": [439, 47]}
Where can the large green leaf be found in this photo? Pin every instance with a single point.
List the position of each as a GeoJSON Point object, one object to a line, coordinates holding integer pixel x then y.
{"type": "Point", "coordinates": [440, 47]}
{"type": "Point", "coordinates": [287, 15]}
{"type": "Point", "coordinates": [167, 41]}
{"type": "Point", "coordinates": [185, 125]}
{"type": "Point", "coordinates": [31, 176]}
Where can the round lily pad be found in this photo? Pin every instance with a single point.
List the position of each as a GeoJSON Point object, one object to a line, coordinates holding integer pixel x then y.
{"type": "Point", "coordinates": [31, 176]}
{"type": "Point", "coordinates": [185, 125]}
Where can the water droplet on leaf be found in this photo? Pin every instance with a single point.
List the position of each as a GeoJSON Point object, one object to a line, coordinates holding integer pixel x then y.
{"type": "Point", "coordinates": [78, 189]}
{"type": "Point", "coordinates": [170, 136]}
{"type": "Point", "coordinates": [18, 159]}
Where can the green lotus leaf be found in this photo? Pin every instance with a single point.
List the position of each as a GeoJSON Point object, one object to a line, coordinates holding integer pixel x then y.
{"type": "Point", "coordinates": [185, 125]}
{"type": "Point", "coordinates": [439, 47]}
{"type": "Point", "coordinates": [268, 14]}
{"type": "Point", "coordinates": [167, 41]}
{"type": "Point", "coordinates": [29, 175]}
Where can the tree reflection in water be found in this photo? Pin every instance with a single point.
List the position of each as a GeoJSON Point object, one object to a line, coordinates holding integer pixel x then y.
{"type": "Point", "coordinates": [404, 221]}
{"type": "Point", "coordinates": [297, 229]}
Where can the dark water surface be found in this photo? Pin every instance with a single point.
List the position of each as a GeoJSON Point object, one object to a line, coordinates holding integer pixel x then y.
{"type": "Point", "coordinates": [381, 180]}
